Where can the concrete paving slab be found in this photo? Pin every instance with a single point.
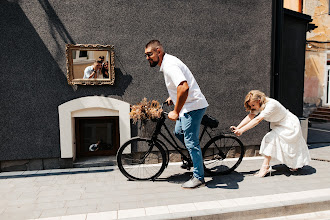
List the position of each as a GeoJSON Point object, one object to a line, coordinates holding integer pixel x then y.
{"type": "Point", "coordinates": [81, 210]}
{"type": "Point", "coordinates": [159, 210]}
{"type": "Point", "coordinates": [54, 212]}
{"type": "Point", "coordinates": [102, 216]}
{"type": "Point", "coordinates": [131, 213]}
{"type": "Point", "coordinates": [234, 195]}
{"type": "Point", "coordinates": [74, 217]}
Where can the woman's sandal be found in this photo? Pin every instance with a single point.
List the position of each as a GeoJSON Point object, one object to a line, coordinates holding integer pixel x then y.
{"type": "Point", "coordinates": [269, 170]}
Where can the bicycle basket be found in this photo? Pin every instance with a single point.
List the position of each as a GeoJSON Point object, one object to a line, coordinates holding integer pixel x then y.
{"type": "Point", "coordinates": [147, 128]}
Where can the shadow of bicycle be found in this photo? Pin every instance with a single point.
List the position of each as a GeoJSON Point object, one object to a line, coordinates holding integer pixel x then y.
{"type": "Point", "coordinates": [229, 181]}
{"type": "Point", "coordinates": [177, 178]}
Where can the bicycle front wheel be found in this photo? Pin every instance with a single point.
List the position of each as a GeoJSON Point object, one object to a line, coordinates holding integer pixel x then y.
{"type": "Point", "coordinates": [222, 154]}
{"type": "Point", "coordinates": [141, 159]}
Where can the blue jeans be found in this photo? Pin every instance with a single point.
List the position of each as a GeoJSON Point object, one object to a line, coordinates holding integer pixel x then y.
{"type": "Point", "coordinates": [187, 131]}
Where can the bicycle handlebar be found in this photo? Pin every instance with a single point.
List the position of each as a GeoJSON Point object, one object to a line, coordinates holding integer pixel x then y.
{"type": "Point", "coordinates": [166, 113]}
{"type": "Point", "coordinates": [224, 131]}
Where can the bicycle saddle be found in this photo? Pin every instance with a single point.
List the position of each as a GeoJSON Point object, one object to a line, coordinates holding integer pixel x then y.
{"type": "Point", "coordinates": [209, 121]}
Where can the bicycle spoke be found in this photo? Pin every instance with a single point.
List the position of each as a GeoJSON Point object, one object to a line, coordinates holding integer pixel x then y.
{"type": "Point", "coordinates": [143, 160]}
{"type": "Point", "coordinates": [222, 154]}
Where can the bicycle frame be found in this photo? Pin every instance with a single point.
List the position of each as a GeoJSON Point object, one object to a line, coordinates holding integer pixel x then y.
{"type": "Point", "coordinates": [172, 142]}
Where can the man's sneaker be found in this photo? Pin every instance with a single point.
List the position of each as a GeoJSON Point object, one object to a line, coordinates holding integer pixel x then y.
{"type": "Point", "coordinates": [193, 183]}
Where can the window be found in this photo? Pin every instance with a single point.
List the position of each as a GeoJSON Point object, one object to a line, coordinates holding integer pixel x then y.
{"type": "Point", "coordinates": [81, 56]}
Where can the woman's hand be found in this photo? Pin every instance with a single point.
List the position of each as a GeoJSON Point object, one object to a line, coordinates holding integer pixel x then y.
{"type": "Point", "coordinates": [233, 128]}
{"type": "Point", "coordinates": [238, 132]}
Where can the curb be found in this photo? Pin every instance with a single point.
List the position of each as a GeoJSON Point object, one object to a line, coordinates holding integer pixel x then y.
{"type": "Point", "coordinates": [247, 212]}
{"type": "Point", "coordinates": [256, 207]}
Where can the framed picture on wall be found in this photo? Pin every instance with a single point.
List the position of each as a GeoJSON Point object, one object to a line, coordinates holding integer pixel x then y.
{"type": "Point", "coordinates": [90, 64]}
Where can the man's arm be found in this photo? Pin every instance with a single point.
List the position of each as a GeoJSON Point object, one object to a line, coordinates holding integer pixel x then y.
{"type": "Point", "coordinates": [182, 95]}
{"type": "Point", "coordinates": [93, 75]}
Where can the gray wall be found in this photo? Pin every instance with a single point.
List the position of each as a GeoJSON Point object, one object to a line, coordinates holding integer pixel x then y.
{"type": "Point", "coordinates": [226, 44]}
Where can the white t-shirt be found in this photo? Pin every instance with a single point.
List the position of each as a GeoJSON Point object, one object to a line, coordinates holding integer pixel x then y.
{"type": "Point", "coordinates": [88, 72]}
{"type": "Point", "coordinates": [175, 72]}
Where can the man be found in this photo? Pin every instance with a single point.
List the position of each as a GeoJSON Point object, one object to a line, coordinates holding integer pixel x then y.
{"type": "Point", "coordinates": [93, 71]}
{"type": "Point", "coordinates": [190, 105]}
{"type": "Point", "coordinates": [101, 58]}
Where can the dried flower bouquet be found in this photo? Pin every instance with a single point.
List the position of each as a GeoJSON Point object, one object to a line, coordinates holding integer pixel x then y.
{"type": "Point", "coordinates": [145, 110]}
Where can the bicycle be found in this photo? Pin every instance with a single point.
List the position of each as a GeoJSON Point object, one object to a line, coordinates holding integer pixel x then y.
{"type": "Point", "coordinates": [146, 158]}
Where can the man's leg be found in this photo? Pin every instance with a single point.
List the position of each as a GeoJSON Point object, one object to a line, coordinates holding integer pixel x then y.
{"type": "Point", "coordinates": [190, 126]}
{"type": "Point", "coordinates": [178, 131]}
{"type": "Point", "coordinates": [179, 134]}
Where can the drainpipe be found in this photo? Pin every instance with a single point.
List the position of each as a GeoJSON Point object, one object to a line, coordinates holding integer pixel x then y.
{"type": "Point", "coordinates": [276, 47]}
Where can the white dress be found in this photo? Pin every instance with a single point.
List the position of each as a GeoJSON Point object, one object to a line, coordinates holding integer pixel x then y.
{"type": "Point", "coordinates": [284, 142]}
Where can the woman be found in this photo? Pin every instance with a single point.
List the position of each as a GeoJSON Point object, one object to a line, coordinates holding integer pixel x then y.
{"type": "Point", "coordinates": [284, 142]}
{"type": "Point", "coordinates": [105, 70]}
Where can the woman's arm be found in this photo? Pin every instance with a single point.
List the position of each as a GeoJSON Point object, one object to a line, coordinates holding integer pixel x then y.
{"type": "Point", "coordinates": [246, 120]}
{"type": "Point", "coordinates": [249, 125]}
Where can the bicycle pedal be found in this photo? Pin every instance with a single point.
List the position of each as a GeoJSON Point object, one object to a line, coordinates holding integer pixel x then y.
{"type": "Point", "coordinates": [184, 166]}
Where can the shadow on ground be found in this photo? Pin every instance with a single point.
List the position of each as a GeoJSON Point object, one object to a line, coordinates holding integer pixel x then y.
{"type": "Point", "coordinates": [282, 169]}
{"type": "Point", "coordinates": [229, 181]}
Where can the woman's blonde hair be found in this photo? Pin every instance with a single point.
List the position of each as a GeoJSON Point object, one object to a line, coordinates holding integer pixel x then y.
{"type": "Point", "coordinates": [255, 95]}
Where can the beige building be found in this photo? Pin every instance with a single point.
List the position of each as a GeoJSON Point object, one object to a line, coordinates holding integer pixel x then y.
{"type": "Point", "coordinates": [317, 86]}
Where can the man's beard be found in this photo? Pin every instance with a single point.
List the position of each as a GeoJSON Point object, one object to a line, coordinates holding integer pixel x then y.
{"type": "Point", "coordinates": [153, 63]}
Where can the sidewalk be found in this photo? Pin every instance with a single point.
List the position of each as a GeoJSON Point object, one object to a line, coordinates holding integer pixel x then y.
{"type": "Point", "coordinates": [104, 193]}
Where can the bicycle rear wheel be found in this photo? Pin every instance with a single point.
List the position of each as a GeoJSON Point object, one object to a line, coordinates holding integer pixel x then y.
{"type": "Point", "coordinates": [141, 159]}
{"type": "Point", "coordinates": [222, 154]}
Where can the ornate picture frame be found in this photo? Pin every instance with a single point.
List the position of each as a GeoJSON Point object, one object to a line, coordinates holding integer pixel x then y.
{"type": "Point", "coordinates": [83, 59]}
